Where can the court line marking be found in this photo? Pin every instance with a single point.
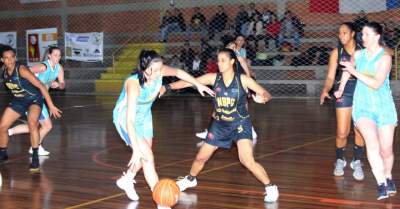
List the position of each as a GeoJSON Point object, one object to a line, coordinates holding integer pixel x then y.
{"type": "Point", "coordinates": [310, 197]}
{"type": "Point", "coordinates": [208, 171]}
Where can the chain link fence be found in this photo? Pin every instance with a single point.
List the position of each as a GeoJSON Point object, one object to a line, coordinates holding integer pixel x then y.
{"type": "Point", "coordinates": [287, 42]}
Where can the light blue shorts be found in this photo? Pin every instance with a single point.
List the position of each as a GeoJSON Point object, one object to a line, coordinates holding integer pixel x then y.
{"type": "Point", "coordinates": [43, 115]}
{"type": "Point", "coordinates": [380, 119]}
{"type": "Point", "coordinates": [143, 126]}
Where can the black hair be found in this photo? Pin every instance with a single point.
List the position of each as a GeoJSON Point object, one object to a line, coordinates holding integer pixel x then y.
{"type": "Point", "coordinates": [378, 29]}
{"type": "Point", "coordinates": [7, 48]}
{"type": "Point", "coordinates": [52, 48]}
{"type": "Point", "coordinates": [146, 57]}
{"type": "Point", "coordinates": [232, 55]}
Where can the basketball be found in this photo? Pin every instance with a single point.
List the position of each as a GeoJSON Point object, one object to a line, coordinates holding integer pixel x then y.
{"type": "Point", "coordinates": [166, 193]}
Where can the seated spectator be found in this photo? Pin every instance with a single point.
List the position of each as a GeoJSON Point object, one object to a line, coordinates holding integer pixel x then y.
{"type": "Point", "coordinates": [272, 31]}
{"type": "Point", "coordinates": [186, 56]}
{"type": "Point", "coordinates": [256, 31]}
{"type": "Point", "coordinates": [266, 15]}
{"type": "Point", "coordinates": [196, 65]}
{"type": "Point", "coordinates": [291, 27]}
{"type": "Point", "coordinates": [174, 62]}
{"type": "Point", "coordinates": [181, 21]}
{"type": "Point", "coordinates": [218, 22]}
{"type": "Point", "coordinates": [169, 24]}
{"type": "Point", "coordinates": [198, 23]}
{"type": "Point", "coordinates": [212, 65]}
{"type": "Point", "coordinates": [389, 35]}
{"type": "Point", "coordinates": [241, 20]}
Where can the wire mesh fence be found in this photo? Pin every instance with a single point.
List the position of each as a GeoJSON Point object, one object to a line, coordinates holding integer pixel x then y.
{"type": "Point", "coordinates": [286, 43]}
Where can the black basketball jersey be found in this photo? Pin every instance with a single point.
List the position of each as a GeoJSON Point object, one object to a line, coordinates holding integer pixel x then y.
{"type": "Point", "coordinates": [18, 86]}
{"type": "Point", "coordinates": [343, 54]}
{"type": "Point", "coordinates": [230, 102]}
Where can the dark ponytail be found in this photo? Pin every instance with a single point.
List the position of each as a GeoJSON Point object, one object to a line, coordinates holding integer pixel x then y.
{"type": "Point", "coordinates": [236, 65]}
{"type": "Point", "coordinates": [146, 57]}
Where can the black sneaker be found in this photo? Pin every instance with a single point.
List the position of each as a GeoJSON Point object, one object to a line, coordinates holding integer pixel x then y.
{"type": "Point", "coordinates": [391, 187]}
{"type": "Point", "coordinates": [34, 166]}
{"type": "Point", "coordinates": [382, 192]}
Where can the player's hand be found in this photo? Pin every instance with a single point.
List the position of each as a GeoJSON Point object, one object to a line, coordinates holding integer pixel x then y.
{"type": "Point", "coordinates": [201, 88]}
{"type": "Point", "coordinates": [324, 95]}
{"type": "Point", "coordinates": [55, 112]}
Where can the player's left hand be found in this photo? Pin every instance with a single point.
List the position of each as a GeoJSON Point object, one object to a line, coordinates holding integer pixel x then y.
{"type": "Point", "coordinates": [201, 88]}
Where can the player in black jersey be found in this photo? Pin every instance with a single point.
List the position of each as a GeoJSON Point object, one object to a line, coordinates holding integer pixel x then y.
{"type": "Point", "coordinates": [343, 105]}
{"type": "Point", "coordinates": [27, 96]}
{"type": "Point", "coordinates": [231, 123]}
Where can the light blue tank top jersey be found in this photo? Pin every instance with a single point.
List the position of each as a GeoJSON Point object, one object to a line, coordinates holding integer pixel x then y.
{"type": "Point", "coordinates": [148, 93]}
{"type": "Point", "coordinates": [367, 100]}
{"type": "Point", "coordinates": [50, 75]}
{"type": "Point", "coordinates": [241, 52]}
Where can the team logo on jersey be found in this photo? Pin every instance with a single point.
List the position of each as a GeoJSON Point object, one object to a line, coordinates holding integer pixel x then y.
{"type": "Point", "coordinates": [235, 90]}
{"type": "Point", "coordinates": [240, 129]}
{"type": "Point", "coordinates": [210, 136]}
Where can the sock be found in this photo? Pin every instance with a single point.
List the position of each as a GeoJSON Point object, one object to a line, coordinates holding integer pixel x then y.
{"type": "Point", "coordinates": [10, 132]}
{"type": "Point", "coordinates": [3, 151]}
{"type": "Point", "coordinates": [35, 158]}
{"type": "Point", "coordinates": [358, 151]}
{"type": "Point", "coordinates": [191, 178]}
{"type": "Point", "coordinates": [268, 185]}
{"type": "Point", "coordinates": [340, 153]}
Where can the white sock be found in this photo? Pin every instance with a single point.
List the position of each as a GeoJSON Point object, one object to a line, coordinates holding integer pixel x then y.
{"type": "Point", "coordinates": [10, 132]}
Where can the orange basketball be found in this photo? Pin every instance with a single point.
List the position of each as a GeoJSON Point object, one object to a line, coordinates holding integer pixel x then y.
{"type": "Point", "coordinates": [166, 193]}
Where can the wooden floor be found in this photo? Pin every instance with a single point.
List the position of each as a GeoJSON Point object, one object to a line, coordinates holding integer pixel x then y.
{"type": "Point", "coordinates": [295, 145]}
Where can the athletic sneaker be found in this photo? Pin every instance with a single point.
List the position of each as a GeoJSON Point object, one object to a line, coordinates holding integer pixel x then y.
{"type": "Point", "coordinates": [391, 187]}
{"type": "Point", "coordinates": [34, 166]}
{"type": "Point", "coordinates": [339, 166]}
{"type": "Point", "coordinates": [382, 192]}
{"type": "Point", "coordinates": [202, 135]}
{"type": "Point", "coordinates": [271, 193]}
{"type": "Point", "coordinates": [185, 183]}
{"type": "Point", "coordinates": [41, 151]}
{"type": "Point", "coordinates": [125, 182]}
{"type": "Point", "coordinates": [358, 172]}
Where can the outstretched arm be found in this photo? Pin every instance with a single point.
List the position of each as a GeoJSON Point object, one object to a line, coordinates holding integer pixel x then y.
{"type": "Point", "coordinates": [25, 73]}
{"type": "Point", "coordinates": [169, 71]}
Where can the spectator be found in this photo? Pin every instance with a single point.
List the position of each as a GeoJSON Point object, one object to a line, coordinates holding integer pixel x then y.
{"type": "Point", "coordinates": [227, 37]}
{"type": "Point", "coordinates": [252, 12]}
{"type": "Point", "coordinates": [256, 31]}
{"type": "Point", "coordinates": [186, 56]}
{"type": "Point", "coordinates": [389, 35]}
{"type": "Point", "coordinates": [198, 23]}
{"type": "Point", "coordinates": [175, 62]}
{"type": "Point", "coordinates": [212, 66]}
{"type": "Point", "coordinates": [181, 21]}
{"type": "Point", "coordinates": [241, 20]}
{"type": "Point", "coordinates": [169, 24]}
{"type": "Point", "coordinates": [272, 31]}
{"type": "Point", "coordinates": [218, 22]}
{"type": "Point", "coordinates": [291, 27]}
{"type": "Point", "coordinates": [266, 15]}
{"type": "Point", "coordinates": [196, 64]}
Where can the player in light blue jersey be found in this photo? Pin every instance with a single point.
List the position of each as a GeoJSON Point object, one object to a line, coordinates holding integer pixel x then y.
{"type": "Point", "coordinates": [133, 119]}
{"type": "Point", "coordinates": [51, 74]}
{"type": "Point", "coordinates": [374, 112]}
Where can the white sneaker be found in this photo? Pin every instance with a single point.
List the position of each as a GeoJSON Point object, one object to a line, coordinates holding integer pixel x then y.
{"type": "Point", "coordinates": [358, 172]}
{"type": "Point", "coordinates": [125, 182]}
{"type": "Point", "coordinates": [41, 151]}
{"type": "Point", "coordinates": [185, 183]}
{"type": "Point", "coordinates": [254, 133]}
{"type": "Point", "coordinates": [271, 193]}
{"type": "Point", "coordinates": [202, 135]}
{"type": "Point", "coordinates": [339, 167]}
